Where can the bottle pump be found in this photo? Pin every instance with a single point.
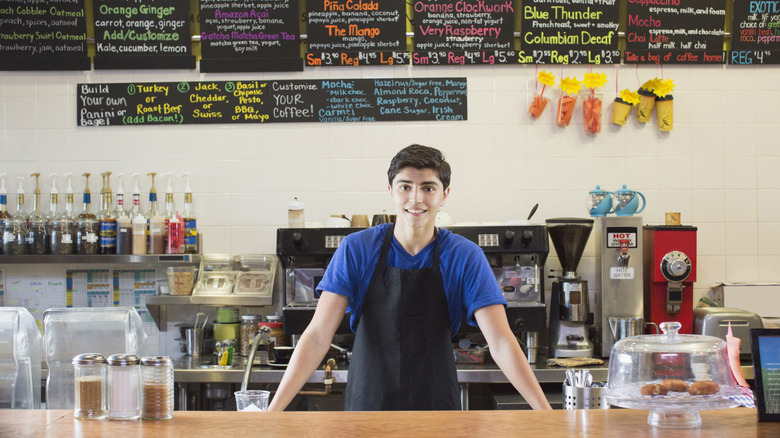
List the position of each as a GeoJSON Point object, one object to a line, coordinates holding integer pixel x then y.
{"type": "Point", "coordinates": [155, 222]}
{"type": "Point", "coordinates": [36, 230]}
{"type": "Point", "coordinates": [107, 218]}
{"type": "Point", "coordinates": [135, 210]}
{"type": "Point", "coordinates": [87, 234]}
{"type": "Point", "coordinates": [124, 231]}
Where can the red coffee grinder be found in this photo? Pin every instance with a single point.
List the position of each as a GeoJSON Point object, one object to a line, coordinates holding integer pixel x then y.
{"type": "Point", "coordinates": [670, 270]}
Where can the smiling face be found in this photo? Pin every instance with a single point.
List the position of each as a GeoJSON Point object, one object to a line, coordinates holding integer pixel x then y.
{"type": "Point", "coordinates": [417, 196]}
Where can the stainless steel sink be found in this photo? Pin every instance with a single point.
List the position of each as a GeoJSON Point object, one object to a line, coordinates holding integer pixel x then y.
{"type": "Point", "coordinates": [223, 367]}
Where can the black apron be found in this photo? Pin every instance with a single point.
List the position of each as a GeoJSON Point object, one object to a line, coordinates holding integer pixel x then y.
{"type": "Point", "coordinates": [402, 356]}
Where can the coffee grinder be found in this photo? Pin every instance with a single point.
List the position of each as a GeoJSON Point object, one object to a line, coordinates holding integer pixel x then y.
{"type": "Point", "coordinates": [670, 271]}
{"type": "Point", "coordinates": [569, 310]}
{"type": "Point", "coordinates": [619, 255]}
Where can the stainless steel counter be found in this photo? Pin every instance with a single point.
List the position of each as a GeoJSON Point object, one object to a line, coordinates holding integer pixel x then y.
{"type": "Point", "coordinates": [192, 370]}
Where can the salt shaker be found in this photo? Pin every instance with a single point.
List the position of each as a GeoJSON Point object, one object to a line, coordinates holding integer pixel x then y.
{"type": "Point", "coordinates": [157, 378]}
{"type": "Point", "coordinates": [90, 383]}
{"type": "Point", "coordinates": [124, 378]}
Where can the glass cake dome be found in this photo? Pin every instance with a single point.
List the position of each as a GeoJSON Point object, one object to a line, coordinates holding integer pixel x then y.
{"type": "Point", "coordinates": [672, 375]}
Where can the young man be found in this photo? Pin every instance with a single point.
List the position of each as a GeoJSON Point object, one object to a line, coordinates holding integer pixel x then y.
{"type": "Point", "coordinates": [406, 286]}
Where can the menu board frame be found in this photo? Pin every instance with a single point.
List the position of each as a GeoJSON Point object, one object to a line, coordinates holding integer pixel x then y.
{"type": "Point", "coordinates": [570, 21]}
{"type": "Point", "coordinates": [665, 39]}
{"type": "Point", "coordinates": [343, 26]}
{"type": "Point", "coordinates": [272, 101]}
{"type": "Point", "coordinates": [453, 32]}
{"type": "Point", "coordinates": [37, 17]}
{"type": "Point", "coordinates": [748, 26]}
{"type": "Point", "coordinates": [122, 24]}
{"type": "Point", "coordinates": [254, 40]}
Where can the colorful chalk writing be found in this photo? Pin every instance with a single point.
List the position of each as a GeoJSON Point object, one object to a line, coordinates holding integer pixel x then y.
{"type": "Point", "coordinates": [276, 101]}
{"type": "Point", "coordinates": [755, 32]}
{"type": "Point", "coordinates": [569, 32]}
{"type": "Point", "coordinates": [247, 35]}
{"type": "Point", "coordinates": [459, 32]}
{"type": "Point", "coordinates": [151, 34]}
{"type": "Point", "coordinates": [43, 35]}
{"type": "Point", "coordinates": [675, 32]}
{"type": "Point", "coordinates": [356, 32]}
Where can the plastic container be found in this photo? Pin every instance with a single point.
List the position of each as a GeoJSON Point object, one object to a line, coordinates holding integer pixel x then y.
{"type": "Point", "coordinates": [90, 386]}
{"type": "Point", "coordinates": [124, 379]}
{"type": "Point", "coordinates": [295, 215]}
{"type": "Point", "coordinates": [69, 332]}
{"type": "Point", "coordinates": [157, 387]}
{"type": "Point", "coordinates": [20, 359]}
{"type": "Point", "coordinates": [670, 360]}
{"type": "Point", "coordinates": [181, 279]}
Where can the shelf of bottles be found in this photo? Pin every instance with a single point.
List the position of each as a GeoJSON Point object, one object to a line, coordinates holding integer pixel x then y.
{"type": "Point", "coordinates": [110, 233]}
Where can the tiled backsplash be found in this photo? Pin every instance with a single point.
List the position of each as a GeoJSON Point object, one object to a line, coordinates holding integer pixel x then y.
{"type": "Point", "coordinates": [718, 167]}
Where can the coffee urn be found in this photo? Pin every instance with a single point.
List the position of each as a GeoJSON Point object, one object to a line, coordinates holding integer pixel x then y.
{"type": "Point", "coordinates": [620, 310]}
{"type": "Point", "coordinates": [670, 271]}
{"type": "Point", "coordinates": [570, 316]}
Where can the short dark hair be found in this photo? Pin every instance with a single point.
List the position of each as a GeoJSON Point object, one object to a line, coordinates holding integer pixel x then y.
{"type": "Point", "coordinates": [420, 157]}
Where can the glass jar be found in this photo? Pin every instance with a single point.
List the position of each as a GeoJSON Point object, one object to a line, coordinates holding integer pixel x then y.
{"type": "Point", "coordinates": [157, 382]}
{"type": "Point", "coordinates": [90, 383]}
{"type": "Point", "coordinates": [87, 235]}
{"type": "Point", "coordinates": [37, 236]}
{"type": "Point", "coordinates": [15, 236]}
{"type": "Point", "coordinates": [61, 237]}
{"type": "Point", "coordinates": [124, 378]}
{"type": "Point", "coordinates": [249, 329]}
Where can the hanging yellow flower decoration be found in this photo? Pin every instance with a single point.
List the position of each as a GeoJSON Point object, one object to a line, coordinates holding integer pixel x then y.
{"type": "Point", "coordinates": [546, 78]}
{"type": "Point", "coordinates": [570, 86]}
{"type": "Point", "coordinates": [651, 84]}
{"type": "Point", "coordinates": [595, 80]}
{"type": "Point", "coordinates": [663, 88]}
{"type": "Point", "coordinates": [629, 97]}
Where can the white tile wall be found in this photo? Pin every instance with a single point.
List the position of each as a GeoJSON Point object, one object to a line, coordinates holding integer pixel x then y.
{"type": "Point", "coordinates": [718, 167]}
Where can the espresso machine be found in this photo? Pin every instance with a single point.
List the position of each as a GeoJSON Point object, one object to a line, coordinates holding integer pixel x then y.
{"type": "Point", "coordinates": [304, 254]}
{"type": "Point", "coordinates": [670, 271]}
{"type": "Point", "coordinates": [620, 310]}
{"type": "Point", "coordinates": [570, 319]}
{"type": "Point", "coordinates": [516, 254]}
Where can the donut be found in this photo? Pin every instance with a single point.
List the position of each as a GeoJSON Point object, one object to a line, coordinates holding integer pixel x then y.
{"type": "Point", "coordinates": [654, 389]}
{"type": "Point", "coordinates": [675, 385]}
{"type": "Point", "coordinates": [703, 388]}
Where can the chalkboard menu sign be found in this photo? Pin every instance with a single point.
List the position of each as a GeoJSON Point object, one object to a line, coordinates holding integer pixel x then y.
{"type": "Point", "coordinates": [755, 32]}
{"type": "Point", "coordinates": [356, 32]}
{"type": "Point", "coordinates": [249, 35]}
{"type": "Point", "coordinates": [460, 32]}
{"type": "Point", "coordinates": [569, 32]}
{"type": "Point", "coordinates": [675, 32]}
{"type": "Point", "coordinates": [339, 100]}
{"type": "Point", "coordinates": [43, 35]}
{"type": "Point", "coordinates": [148, 34]}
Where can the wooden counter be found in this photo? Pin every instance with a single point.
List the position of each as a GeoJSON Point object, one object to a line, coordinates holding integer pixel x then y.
{"type": "Point", "coordinates": [738, 422]}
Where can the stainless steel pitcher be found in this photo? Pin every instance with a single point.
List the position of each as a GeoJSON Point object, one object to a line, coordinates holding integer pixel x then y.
{"type": "Point", "coordinates": [625, 327]}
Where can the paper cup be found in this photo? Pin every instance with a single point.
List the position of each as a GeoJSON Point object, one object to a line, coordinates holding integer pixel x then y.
{"type": "Point", "coordinates": [645, 107]}
{"type": "Point", "coordinates": [620, 111]}
{"type": "Point", "coordinates": [664, 112]}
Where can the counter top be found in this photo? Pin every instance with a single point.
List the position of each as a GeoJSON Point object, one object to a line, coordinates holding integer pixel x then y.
{"type": "Point", "coordinates": [740, 422]}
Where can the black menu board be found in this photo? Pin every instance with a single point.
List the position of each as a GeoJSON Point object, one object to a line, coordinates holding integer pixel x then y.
{"type": "Point", "coordinates": [249, 35]}
{"type": "Point", "coordinates": [755, 32]}
{"type": "Point", "coordinates": [338, 100]}
{"type": "Point", "coordinates": [43, 35]}
{"type": "Point", "coordinates": [569, 32]}
{"type": "Point", "coordinates": [356, 32]}
{"type": "Point", "coordinates": [675, 32]}
{"type": "Point", "coordinates": [460, 32]}
{"type": "Point", "coordinates": [151, 34]}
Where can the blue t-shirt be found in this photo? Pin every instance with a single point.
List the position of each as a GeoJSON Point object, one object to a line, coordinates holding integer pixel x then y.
{"type": "Point", "coordinates": [469, 281]}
